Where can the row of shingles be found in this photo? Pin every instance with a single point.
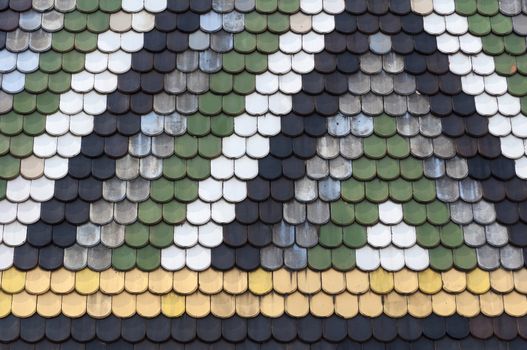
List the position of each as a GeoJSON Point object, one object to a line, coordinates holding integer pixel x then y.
{"type": "Point", "coordinates": [286, 234]}
{"type": "Point", "coordinates": [488, 159]}
{"type": "Point", "coordinates": [468, 333]}
{"type": "Point", "coordinates": [32, 153]}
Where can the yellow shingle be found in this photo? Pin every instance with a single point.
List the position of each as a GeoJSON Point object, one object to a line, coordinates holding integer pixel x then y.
{"type": "Point", "coordinates": [515, 304]}
{"type": "Point", "coordinates": [444, 304]}
{"type": "Point", "coordinates": [37, 281]}
{"type": "Point", "coordinates": [13, 281]}
{"type": "Point", "coordinates": [185, 281]}
{"type": "Point", "coordinates": [247, 305]}
{"type": "Point", "coordinates": [502, 281]}
{"type": "Point", "coordinates": [478, 281]}
{"type": "Point", "coordinates": [62, 281]}
{"type": "Point", "coordinates": [148, 305]}
{"type": "Point", "coordinates": [357, 281]}
{"type": "Point", "coordinates": [197, 304]}
{"type": "Point", "coordinates": [333, 282]}
{"type": "Point", "coordinates": [111, 281]}
{"type": "Point", "coordinates": [419, 305]}
{"type": "Point", "coordinates": [381, 281]}
{"type": "Point", "coordinates": [49, 304]}
{"type": "Point", "coordinates": [172, 305]}
{"type": "Point", "coordinates": [346, 305]}
{"type": "Point", "coordinates": [405, 281]}
{"type": "Point", "coordinates": [297, 305]}
{"type": "Point", "coordinates": [395, 305]}
{"type": "Point", "coordinates": [284, 281]}
{"type": "Point", "coordinates": [24, 304]}
{"type": "Point", "coordinates": [223, 305]}
{"type": "Point", "coordinates": [210, 281]}
{"type": "Point", "coordinates": [235, 281]}
{"type": "Point", "coordinates": [491, 304]}
{"type": "Point", "coordinates": [86, 281]}
{"type": "Point", "coordinates": [322, 305]}
{"type": "Point", "coordinates": [430, 282]}
{"type": "Point", "coordinates": [272, 305]}
{"type": "Point", "coordinates": [260, 281]}
{"type": "Point", "coordinates": [99, 305]}
{"type": "Point", "coordinates": [454, 281]}
{"type": "Point", "coordinates": [467, 304]}
{"type": "Point", "coordinates": [73, 305]}
{"type": "Point", "coordinates": [308, 281]}
{"type": "Point", "coordinates": [135, 281]}
{"type": "Point", "coordinates": [370, 304]}
{"type": "Point", "coordinates": [5, 304]}
{"type": "Point", "coordinates": [124, 305]}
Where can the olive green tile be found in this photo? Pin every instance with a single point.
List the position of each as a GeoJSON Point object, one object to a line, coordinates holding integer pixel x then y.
{"type": "Point", "coordinates": [501, 25]}
{"type": "Point", "coordinates": [88, 5]}
{"type": "Point", "coordinates": [427, 235]}
{"type": "Point", "coordinates": [123, 258]}
{"type": "Point", "coordinates": [48, 103]}
{"type": "Point", "coordinates": [398, 147]}
{"type": "Point", "coordinates": [244, 42]}
{"type": "Point", "coordinates": [278, 23]}
{"type": "Point", "coordinates": [149, 212]}
{"type": "Point", "coordinates": [255, 22]}
{"type": "Point", "coordinates": [330, 235]}
{"type": "Point", "coordinates": [24, 102]}
{"type": "Point", "coordinates": [517, 85]}
{"type": "Point", "coordinates": [319, 258]}
{"type": "Point", "coordinates": [267, 42]}
{"type": "Point", "coordinates": [75, 21]}
{"type": "Point", "coordinates": [466, 7]}
{"type": "Point", "coordinates": [354, 236]}
{"type": "Point", "coordinates": [198, 125]}
{"type": "Point", "coordinates": [10, 167]}
{"type": "Point", "coordinates": [342, 213]}
{"type": "Point", "coordinates": [505, 64]}
{"type": "Point", "coordinates": [21, 146]}
{"type": "Point", "coordinates": [4, 145]}
{"type": "Point", "coordinates": [233, 104]}
{"type": "Point", "coordinates": [376, 190]}
{"type": "Point", "coordinates": [465, 258]}
{"type": "Point", "coordinates": [424, 190]}
{"type": "Point", "coordinates": [388, 168]}
{"type": "Point", "coordinates": [233, 62]}
{"type": "Point", "coordinates": [148, 258]}
{"type": "Point", "coordinates": [174, 168]}
{"type": "Point", "coordinates": [521, 65]}
{"type": "Point", "coordinates": [222, 125]}
{"type": "Point", "coordinates": [414, 213]}
{"type": "Point", "coordinates": [198, 168]}
{"type": "Point", "coordinates": [493, 44]}
{"type": "Point", "coordinates": [11, 124]}
{"type": "Point", "coordinates": [366, 213]}
{"type": "Point", "coordinates": [400, 190]}
{"type": "Point", "coordinates": [161, 235]}
{"type": "Point", "coordinates": [523, 104]}
{"type": "Point", "coordinates": [86, 41]}
{"type": "Point", "coordinates": [186, 146]}
{"type": "Point", "coordinates": [256, 63]}
{"type": "Point", "coordinates": [98, 22]}
{"type": "Point", "coordinates": [514, 44]}
{"type": "Point", "coordinates": [51, 61]}
{"type": "Point", "coordinates": [36, 82]}
{"type": "Point", "coordinates": [59, 82]}
{"type": "Point", "coordinates": [73, 62]}
{"type": "Point", "coordinates": [437, 213]}
{"type": "Point", "coordinates": [451, 235]}
{"type": "Point", "coordinates": [289, 6]}
{"type": "Point", "coordinates": [411, 168]}
{"type": "Point", "coordinates": [136, 235]}
{"type": "Point", "coordinates": [162, 190]}
{"type": "Point", "coordinates": [266, 6]}
{"type": "Point", "coordinates": [186, 190]}
{"type": "Point", "coordinates": [244, 83]}
{"type": "Point", "coordinates": [384, 126]}
{"type": "Point", "coordinates": [221, 83]}
{"type": "Point", "coordinates": [352, 190]}
{"type": "Point", "coordinates": [441, 258]}
{"type": "Point", "coordinates": [479, 25]}
{"type": "Point", "coordinates": [174, 212]}
{"type": "Point", "coordinates": [110, 6]}
{"type": "Point", "coordinates": [374, 147]}
{"type": "Point", "coordinates": [363, 169]}
{"type": "Point", "coordinates": [3, 187]}
{"type": "Point", "coordinates": [488, 7]}
{"type": "Point", "coordinates": [210, 104]}
{"type": "Point", "coordinates": [343, 258]}
{"type": "Point", "coordinates": [209, 146]}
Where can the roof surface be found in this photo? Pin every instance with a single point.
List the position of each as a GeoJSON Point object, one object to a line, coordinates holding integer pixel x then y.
{"type": "Point", "coordinates": [263, 173]}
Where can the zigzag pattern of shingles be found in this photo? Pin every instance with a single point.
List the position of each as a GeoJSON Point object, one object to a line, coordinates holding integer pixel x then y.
{"type": "Point", "coordinates": [493, 123]}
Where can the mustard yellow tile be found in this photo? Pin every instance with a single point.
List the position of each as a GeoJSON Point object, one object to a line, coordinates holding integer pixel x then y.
{"type": "Point", "coordinates": [491, 304]}
{"type": "Point", "coordinates": [13, 281]}
{"type": "Point", "coordinates": [405, 281]}
{"type": "Point", "coordinates": [260, 281]}
{"type": "Point", "coordinates": [284, 282]}
{"type": "Point", "coordinates": [467, 304]}
{"type": "Point", "coordinates": [333, 282]}
{"type": "Point", "coordinates": [247, 305]}
{"type": "Point", "coordinates": [197, 304]}
{"type": "Point", "coordinates": [86, 281]}
{"type": "Point", "coordinates": [62, 281]}
{"type": "Point", "coordinates": [272, 305]}
{"type": "Point", "coordinates": [346, 305]}
{"type": "Point", "coordinates": [223, 305]}
{"type": "Point", "coordinates": [308, 281]}
{"type": "Point", "coordinates": [321, 305]}
{"type": "Point", "coordinates": [5, 304]}
{"type": "Point", "coordinates": [23, 304]}
{"type": "Point", "coordinates": [515, 304]}
{"type": "Point", "coordinates": [124, 304]}
{"type": "Point", "coordinates": [429, 281]}
{"type": "Point", "coordinates": [160, 281]}
{"type": "Point", "coordinates": [419, 305]}
{"type": "Point", "coordinates": [210, 281]}
{"type": "Point", "coordinates": [185, 281]}
{"type": "Point", "coordinates": [49, 304]}
{"type": "Point", "coordinates": [395, 305]}
{"type": "Point", "coordinates": [381, 281]}
{"type": "Point", "coordinates": [135, 281]}
{"type": "Point", "coordinates": [112, 281]}
{"type": "Point", "coordinates": [478, 281]}
{"type": "Point", "coordinates": [148, 305]}
{"type": "Point", "coordinates": [99, 305]}
{"type": "Point", "coordinates": [37, 281]}
{"type": "Point", "coordinates": [297, 305]}
{"type": "Point", "coordinates": [454, 281]}
{"type": "Point", "coordinates": [370, 304]}
{"type": "Point", "coordinates": [172, 305]}
{"type": "Point", "coordinates": [357, 281]}
{"type": "Point", "coordinates": [444, 304]}
{"type": "Point", "coordinates": [235, 281]}
{"type": "Point", "coordinates": [502, 281]}
{"type": "Point", "coordinates": [520, 281]}
{"type": "Point", "coordinates": [73, 305]}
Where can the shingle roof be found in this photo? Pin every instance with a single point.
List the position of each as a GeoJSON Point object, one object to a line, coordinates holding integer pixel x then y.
{"type": "Point", "coordinates": [347, 171]}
